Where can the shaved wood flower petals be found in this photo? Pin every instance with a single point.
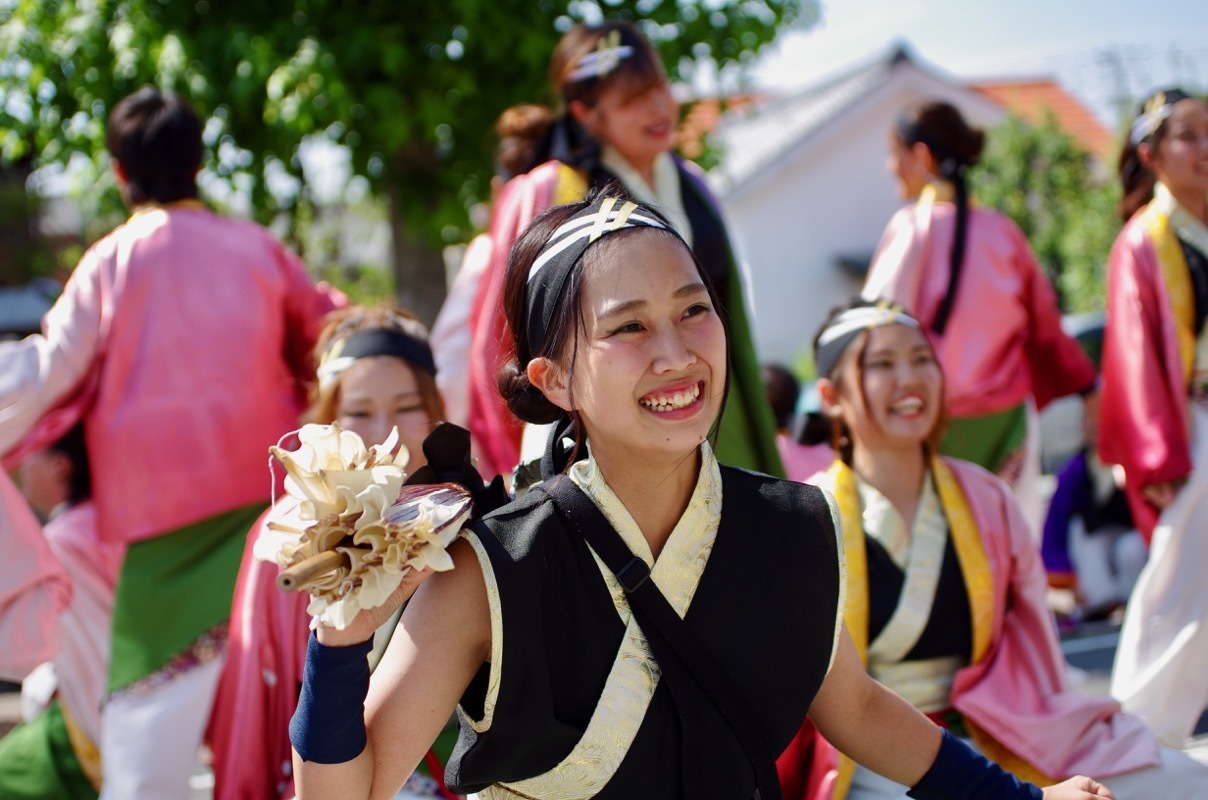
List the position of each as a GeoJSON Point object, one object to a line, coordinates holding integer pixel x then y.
{"type": "Point", "coordinates": [348, 499]}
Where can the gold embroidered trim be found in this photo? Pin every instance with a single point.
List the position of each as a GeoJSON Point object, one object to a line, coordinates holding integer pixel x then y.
{"type": "Point", "coordinates": [630, 686]}
{"type": "Point", "coordinates": [1178, 281]}
{"type": "Point", "coordinates": [570, 186]}
{"type": "Point", "coordinates": [971, 554]}
{"type": "Point", "coordinates": [492, 696]}
{"type": "Point", "coordinates": [924, 557]}
{"type": "Point", "coordinates": [975, 568]}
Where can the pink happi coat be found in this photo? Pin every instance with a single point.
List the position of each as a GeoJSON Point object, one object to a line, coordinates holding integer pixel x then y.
{"type": "Point", "coordinates": [182, 340]}
{"type": "Point", "coordinates": [82, 658]}
{"type": "Point", "coordinates": [34, 587]}
{"type": "Point", "coordinates": [495, 430]}
{"type": "Point", "coordinates": [1144, 407]}
{"type": "Point", "coordinates": [1020, 692]}
{"type": "Point", "coordinates": [801, 461]}
{"type": "Point", "coordinates": [451, 338]}
{"type": "Point", "coordinates": [258, 691]}
{"type": "Point", "coordinates": [1004, 342]}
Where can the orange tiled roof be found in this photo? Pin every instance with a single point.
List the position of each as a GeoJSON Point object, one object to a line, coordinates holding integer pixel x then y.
{"type": "Point", "coordinates": [1029, 99]}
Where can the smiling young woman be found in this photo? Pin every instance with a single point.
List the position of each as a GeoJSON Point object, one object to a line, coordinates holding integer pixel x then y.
{"type": "Point", "coordinates": [375, 373]}
{"type": "Point", "coordinates": [946, 600]}
{"type": "Point", "coordinates": [969, 276]}
{"type": "Point", "coordinates": [646, 622]}
{"type": "Point", "coordinates": [1155, 381]}
{"type": "Point", "coordinates": [615, 126]}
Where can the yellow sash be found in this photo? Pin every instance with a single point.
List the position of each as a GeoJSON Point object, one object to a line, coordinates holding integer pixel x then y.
{"type": "Point", "coordinates": [975, 568]}
{"type": "Point", "coordinates": [1178, 282]}
{"type": "Point", "coordinates": [570, 186]}
{"type": "Point", "coordinates": [85, 750]}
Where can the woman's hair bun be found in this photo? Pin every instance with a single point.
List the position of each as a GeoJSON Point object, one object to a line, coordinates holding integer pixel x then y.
{"type": "Point", "coordinates": [524, 399]}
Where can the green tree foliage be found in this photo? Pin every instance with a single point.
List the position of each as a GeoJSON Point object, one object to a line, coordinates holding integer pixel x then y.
{"type": "Point", "coordinates": [1040, 177]}
{"type": "Point", "coordinates": [412, 90]}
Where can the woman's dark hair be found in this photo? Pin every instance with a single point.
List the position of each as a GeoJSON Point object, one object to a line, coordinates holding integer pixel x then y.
{"type": "Point", "coordinates": [1136, 180]}
{"type": "Point", "coordinates": [840, 436]}
{"type": "Point", "coordinates": [782, 389]}
{"type": "Point", "coordinates": [525, 131]}
{"type": "Point", "coordinates": [73, 447]}
{"type": "Point", "coordinates": [524, 399]}
{"type": "Point", "coordinates": [156, 138]}
{"type": "Point", "coordinates": [956, 146]}
{"type": "Point", "coordinates": [519, 128]}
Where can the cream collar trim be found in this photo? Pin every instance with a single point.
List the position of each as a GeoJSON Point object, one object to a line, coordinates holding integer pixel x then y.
{"type": "Point", "coordinates": [664, 195]}
{"type": "Point", "coordinates": [635, 674]}
{"type": "Point", "coordinates": [1186, 226]}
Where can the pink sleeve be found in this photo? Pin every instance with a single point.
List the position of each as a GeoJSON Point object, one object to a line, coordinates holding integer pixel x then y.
{"type": "Point", "coordinates": [450, 336]}
{"type": "Point", "coordinates": [34, 589]}
{"type": "Point", "coordinates": [496, 432]}
{"type": "Point", "coordinates": [306, 304]}
{"type": "Point", "coordinates": [1058, 364]}
{"type": "Point", "coordinates": [1020, 693]}
{"type": "Point", "coordinates": [1141, 403]}
{"type": "Point", "coordinates": [51, 370]}
{"type": "Point", "coordinates": [897, 267]}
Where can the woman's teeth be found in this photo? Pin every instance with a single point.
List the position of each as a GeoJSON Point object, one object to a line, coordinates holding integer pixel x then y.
{"type": "Point", "coordinates": [671, 403]}
{"type": "Point", "coordinates": [908, 405]}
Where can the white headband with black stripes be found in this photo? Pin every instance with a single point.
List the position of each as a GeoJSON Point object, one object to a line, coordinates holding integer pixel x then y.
{"type": "Point", "coordinates": [564, 248]}
{"type": "Point", "coordinates": [833, 341]}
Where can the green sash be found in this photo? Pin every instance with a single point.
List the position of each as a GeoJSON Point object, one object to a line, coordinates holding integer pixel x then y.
{"type": "Point", "coordinates": [174, 589]}
{"type": "Point", "coordinates": [38, 763]}
{"type": "Point", "coordinates": [988, 440]}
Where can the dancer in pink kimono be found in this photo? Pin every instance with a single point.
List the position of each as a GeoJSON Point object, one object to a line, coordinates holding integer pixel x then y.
{"type": "Point", "coordinates": [946, 591]}
{"type": "Point", "coordinates": [1155, 370]}
{"type": "Point", "coordinates": [182, 342]}
{"type": "Point", "coordinates": [968, 274]}
{"type": "Point", "coordinates": [34, 588]}
{"type": "Point", "coordinates": [376, 372]}
{"type": "Point", "coordinates": [55, 753]}
{"type": "Point", "coordinates": [617, 125]}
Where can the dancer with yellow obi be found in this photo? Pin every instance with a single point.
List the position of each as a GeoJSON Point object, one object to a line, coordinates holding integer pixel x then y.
{"type": "Point", "coordinates": [1155, 370]}
{"type": "Point", "coordinates": [946, 592]}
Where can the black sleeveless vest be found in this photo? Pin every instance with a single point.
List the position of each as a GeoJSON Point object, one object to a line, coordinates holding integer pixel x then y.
{"type": "Point", "coordinates": [766, 607]}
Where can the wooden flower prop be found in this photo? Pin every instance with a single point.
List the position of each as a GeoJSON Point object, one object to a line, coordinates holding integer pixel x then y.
{"type": "Point", "coordinates": [355, 530]}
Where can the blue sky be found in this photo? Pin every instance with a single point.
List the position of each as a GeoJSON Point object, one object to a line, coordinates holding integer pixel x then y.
{"type": "Point", "coordinates": [1095, 48]}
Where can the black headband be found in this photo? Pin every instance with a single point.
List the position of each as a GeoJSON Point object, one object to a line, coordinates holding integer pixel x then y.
{"type": "Point", "coordinates": [565, 248]}
{"type": "Point", "coordinates": [375, 342]}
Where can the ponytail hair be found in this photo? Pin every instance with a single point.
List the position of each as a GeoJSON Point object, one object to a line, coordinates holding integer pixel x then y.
{"type": "Point", "coordinates": [1136, 181]}
{"type": "Point", "coordinates": [956, 146]}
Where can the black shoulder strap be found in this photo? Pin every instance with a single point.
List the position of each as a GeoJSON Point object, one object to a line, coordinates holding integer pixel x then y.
{"type": "Point", "coordinates": [679, 651]}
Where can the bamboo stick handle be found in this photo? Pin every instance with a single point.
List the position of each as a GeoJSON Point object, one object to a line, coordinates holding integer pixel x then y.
{"type": "Point", "coordinates": [295, 578]}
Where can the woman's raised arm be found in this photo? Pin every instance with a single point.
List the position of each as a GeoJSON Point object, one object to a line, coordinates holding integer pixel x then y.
{"type": "Point", "coordinates": [442, 640]}
{"type": "Point", "coordinates": [886, 734]}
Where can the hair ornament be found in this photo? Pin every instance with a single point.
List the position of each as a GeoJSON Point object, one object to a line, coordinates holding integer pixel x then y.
{"type": "Point", "coordinates": [604, 59]}
{"type": "Point", "coordinates": [1156, 110]}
